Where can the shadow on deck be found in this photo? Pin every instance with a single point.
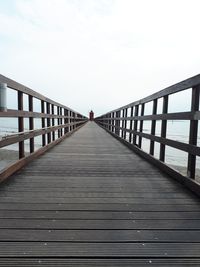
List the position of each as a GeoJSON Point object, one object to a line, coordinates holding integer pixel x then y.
{"type": "Point", "coordinates": [91, 201]}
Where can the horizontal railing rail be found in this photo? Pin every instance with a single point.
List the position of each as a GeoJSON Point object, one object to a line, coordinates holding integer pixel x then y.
{"type": "Point", "coordinates": [127, 124]}
{"type": "Point", "coordinates": [56, 122]}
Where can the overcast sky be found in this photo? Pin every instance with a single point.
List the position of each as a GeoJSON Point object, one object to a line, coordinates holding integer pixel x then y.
{"type": "Point", "coordinates": [99, 54]}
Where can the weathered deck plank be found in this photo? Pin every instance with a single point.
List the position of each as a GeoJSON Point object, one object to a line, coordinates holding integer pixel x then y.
{"type": "Point", "coordinates": [91, 201]}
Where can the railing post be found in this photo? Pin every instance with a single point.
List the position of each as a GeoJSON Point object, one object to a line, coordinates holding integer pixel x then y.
{"type": "Point", "coordinates": [113, 117]}
{"type": "Point", "coordinates": [48, 122]}
{"type": "Point", "coordinates": [61, 122]}
{"type": "Point", "coordinates": [164, 127]}
{"type": "Point", "coordinates": [75, 119]}
{"type": "Point", "coordinates": [131, 125]}
{"type": "Point", "coordinates": [141, 125]}
{"type": "Point", "coordinates": [125, 122]}
{"type": "Point", "coordinates": [119, 121]}
{"type": "Point", "coordinates": [107, 121]}
{"type": "Point", "coordinates": [68, 120]}
{"type": "Point", "coordinates": [53, 121]}
{"type": "Point", "coordinates": [65, 120]}
{"type": "Point", "coordinates": [153, 126]}
{"type": "Point", "coordinates": [72, 121]}
{"type": "Point", "coordinates": [3, 97]}
{"type": "Point", "coordinates": [110, 121]}
{"type": "Point", "coordinates": [31, 122]}
{"type": "Point", "coordinates": [116, 122]}
{"type": "Point", "coordinates": [193, 132]}
{"type": "Point", "coordinates": [21, 124]}
{"type": "Point", "coordinates": [122, 131]}
{"type": "Point", "coordinates": [43, 123]}
{"type": "Point", "coordinates": [135, 125]}
{"type": "Point", "coordinates": [58, 120]}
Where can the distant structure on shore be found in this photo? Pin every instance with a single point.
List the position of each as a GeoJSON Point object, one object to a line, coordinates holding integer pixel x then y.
{"type": "Point", "coordinates": [91, 115]}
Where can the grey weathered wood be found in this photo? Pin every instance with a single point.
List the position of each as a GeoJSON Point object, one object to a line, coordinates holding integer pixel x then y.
{"type": "Point", "coordinates": [91, 201]}
{"type": "Point", "coordinates": [66, 262]}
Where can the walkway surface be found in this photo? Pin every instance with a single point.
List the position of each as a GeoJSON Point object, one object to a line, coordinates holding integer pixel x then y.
{"type": "Point", "coordinates": [90, 201]}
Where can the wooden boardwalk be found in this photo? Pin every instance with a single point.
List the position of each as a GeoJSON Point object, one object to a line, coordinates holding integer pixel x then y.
{"type": "Point", "coordinates": [91, 201]}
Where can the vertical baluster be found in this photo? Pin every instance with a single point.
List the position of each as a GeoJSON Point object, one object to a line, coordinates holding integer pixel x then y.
{"type": "Point", "coordinates": [43, 123]}
{"type": "Point", "coordinates": [113, 114]}
{"type": "Point", "coordinates": [153, 126]}
{"type": "Point", "coordinates": [61, 121]}
{"type": "Point", "coordinates": [125, 122]}
{"type": "Point", "coordinates": [73, 120]}
{"type": "Point", "coordinates": [193, 132]}
{"type": "Point", "coordinates": [131, 125]}
{"type": "Point", "coordinates": [141, 125]}
{"type": "Point", "coordinates": [53, 122]}
{"type": "Point", "coordinates": [118, 122]}
{"type": "Point", "coordinates": [68, 120]}
{"type": "Point", "coordinates": [164, 128]}
{"type": "Point", "coordinates": [135, 125]}
{"type": "Point", "coordinates": [65, 120]}
{"type": "Point", "coordinates": [58, 120]}
{"type": "Point", "coordinates": [122, 119]}
{"type": "Point", "coordinates": [109, 121]}
{"type": "Point", "coordinates": [48, 122]}
{"type": "Point", "coordinates": [31, 122]}
{"type": "Point", "coordinates": [20, 124]}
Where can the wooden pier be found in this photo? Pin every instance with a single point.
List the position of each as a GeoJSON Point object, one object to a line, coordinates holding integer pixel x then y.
{"type": "Point", "coordinates": [90, 201]}
{"type": "Point", "coordinates": [76, 196]}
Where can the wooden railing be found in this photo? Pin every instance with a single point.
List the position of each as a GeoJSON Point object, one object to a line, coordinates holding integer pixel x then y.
{"type": "Point", "coordinates": [57, 121]}
{"type": "Point", "coordinates": [126, 123]}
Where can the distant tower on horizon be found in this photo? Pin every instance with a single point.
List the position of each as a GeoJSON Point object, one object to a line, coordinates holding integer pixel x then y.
{"type": "Point", "coordinates": [91, 115]}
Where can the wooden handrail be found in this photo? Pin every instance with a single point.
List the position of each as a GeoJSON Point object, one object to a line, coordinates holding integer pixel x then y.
{"type": "Point", "coordinates": [68, 121]}
{"type": "Point", "coordinates": [116, 120]}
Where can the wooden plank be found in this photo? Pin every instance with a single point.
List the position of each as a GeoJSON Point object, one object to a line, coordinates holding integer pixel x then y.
{"type": "Point", "coordinates": [97, 262]}
{"type": "Point", "coordinates": [98, 215]}
{"type": "Point", "coordinates": [102, 224]}
{"type": "Point", "coordinates": [99, 206]}
{"type": "Point", "coordinates": [91, 198]}
{"type": "Point", "coordinates": [99, 235]}
{"type": "Point", "coordinates": [96, 195]}
{"type": "Point", "coordinates": [98, 200]}
{"type": "Point", "coordinates": [99, 250]}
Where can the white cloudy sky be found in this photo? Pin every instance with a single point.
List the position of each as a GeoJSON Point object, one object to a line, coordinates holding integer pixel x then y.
{"type": "Point", "coordinates": [99, 54]}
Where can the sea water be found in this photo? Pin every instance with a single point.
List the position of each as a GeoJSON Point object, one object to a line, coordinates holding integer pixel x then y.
{"type": "Point", "coordinates": [177, 130]}
{"type": "Point", "coordinates": [9, 126]}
